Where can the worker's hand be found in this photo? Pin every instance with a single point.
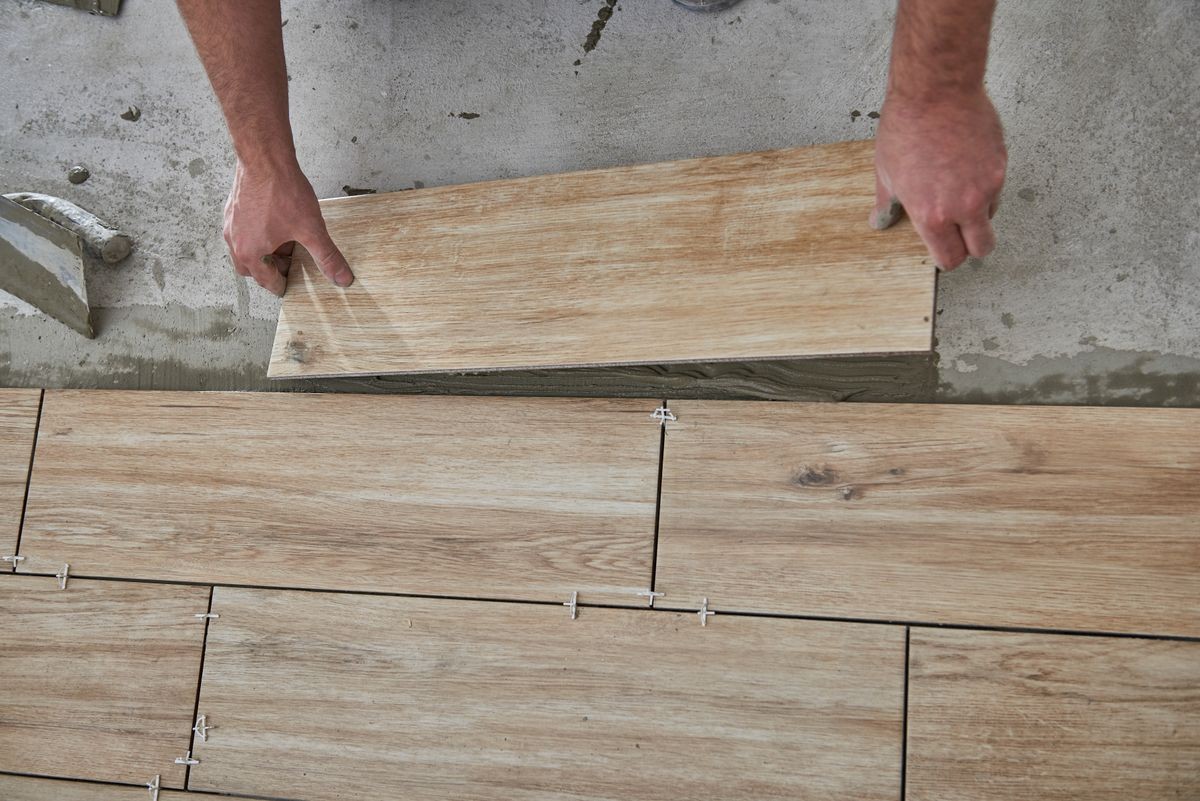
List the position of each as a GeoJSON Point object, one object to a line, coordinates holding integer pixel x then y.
{"type": "Point", "coordinates": [268, 212]}
{"type": "Point", "coordinates": [942, 162]}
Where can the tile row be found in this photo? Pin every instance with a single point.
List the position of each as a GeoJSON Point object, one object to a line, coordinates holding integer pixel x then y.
{"type": "Point", "coordinates": [1082, 519]}
{"type": "Point", "coordinates": [316, 695]}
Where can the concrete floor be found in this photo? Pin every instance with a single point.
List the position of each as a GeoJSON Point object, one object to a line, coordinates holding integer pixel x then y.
{"type": "Point", "coordinates": [1092, 296]}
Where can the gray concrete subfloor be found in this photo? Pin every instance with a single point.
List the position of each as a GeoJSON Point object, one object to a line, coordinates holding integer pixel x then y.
{"type": "Point", "coordinates": [1092, 296]}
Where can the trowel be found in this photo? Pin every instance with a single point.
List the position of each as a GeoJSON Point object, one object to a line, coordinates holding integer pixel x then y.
{"type": "Point", "coordinates": [42, 254]}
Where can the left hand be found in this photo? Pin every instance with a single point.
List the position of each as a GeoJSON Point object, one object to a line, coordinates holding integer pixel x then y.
{"type": "Point", "coordinates": [942, 162]}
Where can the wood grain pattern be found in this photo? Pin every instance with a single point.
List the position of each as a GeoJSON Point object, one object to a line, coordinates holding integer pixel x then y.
{"type": "Point", "coordinates": [998, 717]}
{"type": "Point", "coordinates": [99, 680]}
{"type": "Point", "coordinates": [18, 421]}
{"type": "Point", "coordinates": [481, 497]}
{"type": "Point", "coordinates": [327, 696]}
{"type": "Point", "coordinates": [753, 256]}
{"type": "Point", "coordinates": [1068, 518]}
{"type": "Point", "coordinates": [26, 788]}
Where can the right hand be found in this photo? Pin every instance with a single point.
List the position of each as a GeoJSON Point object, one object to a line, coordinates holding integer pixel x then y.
{"type": "Point", "coordinates": [268, 212]}
{"type": "Point", "coordinates": [943, 162]}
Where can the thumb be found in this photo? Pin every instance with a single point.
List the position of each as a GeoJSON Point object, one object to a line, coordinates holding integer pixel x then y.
{"type": "Point", "coordinates": [328, 258]}
{"type": "Point", "coordinates": [887, 207]}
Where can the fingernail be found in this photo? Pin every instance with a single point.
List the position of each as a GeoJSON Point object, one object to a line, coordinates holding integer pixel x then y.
{"type": "Point", "coordinates": [344, 279]}
{"type": "Point", "coordinates": [886, 218]}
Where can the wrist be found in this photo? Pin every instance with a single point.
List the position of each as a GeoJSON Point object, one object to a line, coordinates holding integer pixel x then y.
{"type": "Point", "coordinates": [275, 161]}
{"type": "Point", "coordinates": [929, 95]}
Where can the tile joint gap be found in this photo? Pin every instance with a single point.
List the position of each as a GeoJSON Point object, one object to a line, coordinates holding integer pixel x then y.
{"type": "Point", "coordinates": [904, 719]}
{"type": "Point", "coordinates": [187, 770]}
{"type": "Point", "coordinates": [662, 450]}
{"type": "Point", "coordinates": [37, 427]}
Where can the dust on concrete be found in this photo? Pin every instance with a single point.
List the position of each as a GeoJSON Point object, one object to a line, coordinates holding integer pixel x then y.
{"type": "Point", "coordinates": [465, 115]}
{"type": "Point", "coordinates": [197, 167]}
{"type": "Point", "coordinates": [191, 324]}
{"type": "Point", "coordinates": [138, 347]}
{"type": "Point", "coordinates": [1008, 320]}
{"type": "Point", "coordinates": [1097, 377]}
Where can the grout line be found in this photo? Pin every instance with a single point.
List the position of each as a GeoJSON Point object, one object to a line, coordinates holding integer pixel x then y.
{"type": "Point", "coordinates": [37, 427]}
{"type": "Point", "coordinates": [103, 783]}
{"type": "Point", "coordinates": [925, 624]}
{"type": "Point", "coordinates": [187, 770]}
{"type": "Point", "coordinates": [662, 450]}
{"type": "Point", "coordinates": [328, 591]}
{"type": "Point", "coordinates": [904, 721]}
{"type": "Point", "coordinates": [223, 794]}
{"type": "Point", "coordinates": [75, 779]}
{"type": "Point", "coordinates": [641, 608]}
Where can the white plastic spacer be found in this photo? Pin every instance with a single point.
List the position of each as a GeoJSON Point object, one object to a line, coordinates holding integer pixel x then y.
{"type": "Point", "coordinates": [704, 613]}
{"type": "Point", "coordinates": [206, 615]}
{"type": "Point", "coordinates": [662, 415]}
{"type": "Point", "coordinates": [651, 594]}
{"type": "Point", "coordinates": [62, 576]}
{"type": "Point", "coordinates": [573, 605]}
{"type": "Point", "coordinates": [153, 787]}
{"type": "Point", "coordinates": [186, 760]}
{"type": "Point", "coordinates": [13, 560]}
{"type": "Point", "coordinates": [201, 728]}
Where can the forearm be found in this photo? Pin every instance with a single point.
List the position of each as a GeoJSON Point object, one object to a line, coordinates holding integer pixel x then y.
{"type": "Point", "coordinates": [240, 43]}
{"type": "Point", "coordinates": [939, 49]}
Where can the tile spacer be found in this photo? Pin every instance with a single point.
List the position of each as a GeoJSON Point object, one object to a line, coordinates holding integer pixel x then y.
{"type": "Point", "coordinates": [573, 605]}
{"type": "Point", "coordinates": [62, 576]}
{"type": "Point", "coordinates": [663, 415]}
{"type": "Point", "coordinates": [651, 594]}
{"type": "Point", "coordinates": [206, 615]}
{"type": "Point", "coordinates": [153, 786]}
{"type": "Point", "coordinates": [15, 560]}
{"type": "Point", "coordinates": [704, 613]}
{"type": "Point", "coordinates": [186, 760]}
{"type": "Point", "coordinates": [201, 728]}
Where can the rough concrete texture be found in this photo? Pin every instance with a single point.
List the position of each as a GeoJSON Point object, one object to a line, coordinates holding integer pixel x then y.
{"type": "Point", "coordinates": [1093, 295]}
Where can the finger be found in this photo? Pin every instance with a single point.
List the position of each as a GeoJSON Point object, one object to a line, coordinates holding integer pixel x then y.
{"type": "Point", "coordinates": [945, 243]}
{"type": "Point", "coordinates": [979, 238]}
{"type": "Point", "coordinates": [328, 258]}
{"type": "Point", "coordinates": [268, 274]}
{"type": "Point", "coordinates": [887, 207]}
{"type": "Point", "coordinates": [284, 252]}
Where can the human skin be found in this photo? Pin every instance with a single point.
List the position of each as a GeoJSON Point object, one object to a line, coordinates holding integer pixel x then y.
{"type": "Point", "coordinates": [939, 151]}
{"type": "Point", "coordinates": [272, 205]}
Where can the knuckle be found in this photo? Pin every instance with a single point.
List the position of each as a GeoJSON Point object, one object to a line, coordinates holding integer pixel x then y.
{"type": "Point", "coordinates": [974, 203]}
{"type": "Point", "coordinates": [936, 218]}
